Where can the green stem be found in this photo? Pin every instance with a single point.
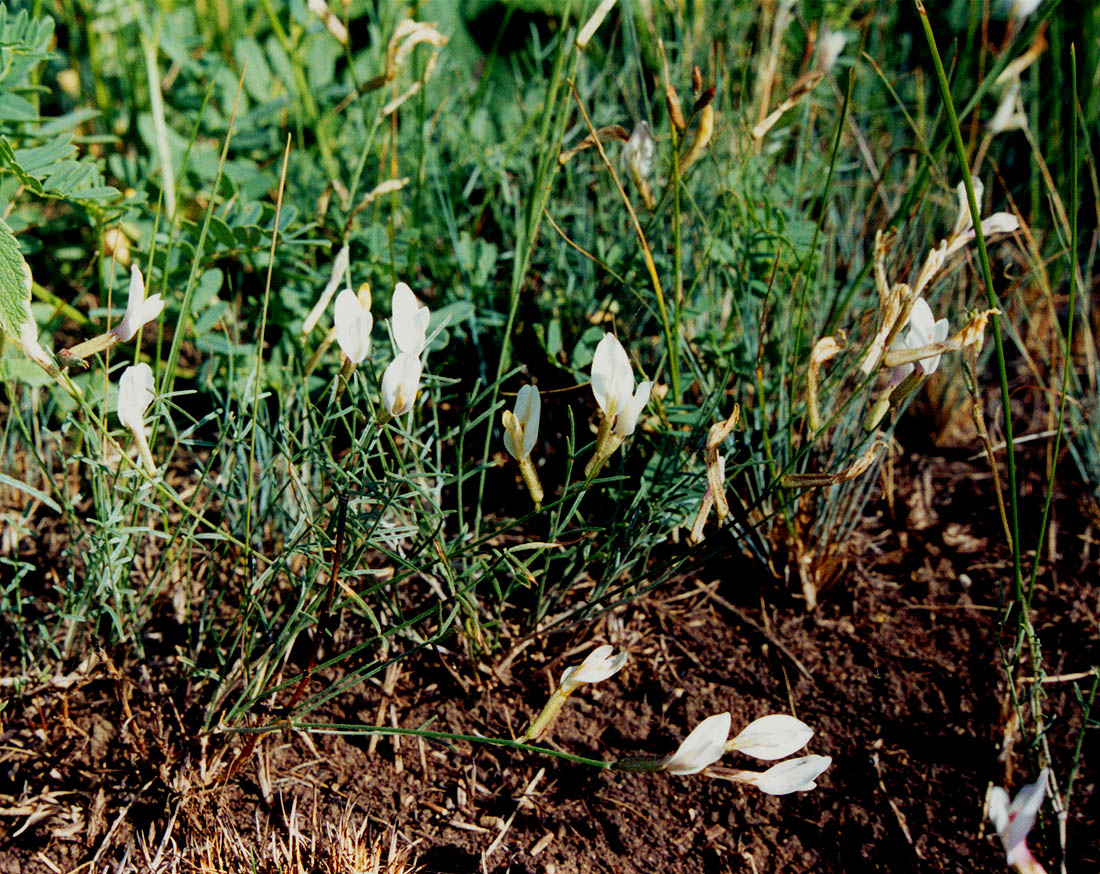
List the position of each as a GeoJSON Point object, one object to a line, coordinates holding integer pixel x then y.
{"type": "Point", "coordinates": [987, 277]}
{"type": "Point", "coordinates": [337, 728]}
{"type": "Point", "coordinates": [1068, 351]}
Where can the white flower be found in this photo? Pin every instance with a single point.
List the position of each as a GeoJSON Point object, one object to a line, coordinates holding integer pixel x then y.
{"type": "Point", "coordinates": [924, 330]}
{"type": "Point", "coordinates": [1020, 9]}
{"type": "Point", "coordinates": [965, 221]}
{"type": "Point", "coordinates": [353, 323]}
{"type": "Point", "coordinates": [521, 428]}
{"type": "Point", "coordinates": [963, 232]}
{"type": "Point", "coordinates": [793, 775]}
{"type": "Point", "coordinates": [704, 746]}
{"type": "Point", "coordinates": [400, 383]}
{"type": "Point", "coordinates": [409, 321]}
{"type": "Point", "coordinates": [1009, 114]}
{"type": "Point", "coordinates": [772, 737]}
{"type": "Point", "coordinates": [613, 386]}
{"type": "Point", "coordinates": [139, 311]}
{"type": "Point", "coordinates": [1000, 223]}
{"type": "Point", "coordinates": [638, 151]}
{"type": "Point", "coordinates": [830, 47]}
{"type": "Point", "coordinates": [599, 665]}
{"type": "Point", "coordinates": [135, 394]}
{"type": "Point", "coordinates": [1013, 820]}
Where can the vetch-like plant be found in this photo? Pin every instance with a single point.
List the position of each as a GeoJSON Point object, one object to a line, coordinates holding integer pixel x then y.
{"type": "Point", "coordinates": [1014, 819]}
{"type": "Point", "coordinates": [521, 432]}
{"type": "Point", "coordinates": [135, 394]}
{"type": "Point", "coordinates": [597, 666]}
{"type": "Point", "coordinates": [769, 738]}
{"type": "Point", "coordinates": [715, 494]}
{"type": "Point", "coordinates": [620, 403]}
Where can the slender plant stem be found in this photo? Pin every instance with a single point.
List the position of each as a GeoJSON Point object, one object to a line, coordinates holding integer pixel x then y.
{"type": "Point", "coordinates": [1067, 363]}
{"type": "Point", "coordinates": [337, 728]}
{"type": "Point", "coordinates": [987, 277]}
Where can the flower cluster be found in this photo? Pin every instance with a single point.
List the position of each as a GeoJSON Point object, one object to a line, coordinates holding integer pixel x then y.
{"type": "Point", "coordinates": [911, 340]}
{"type": "Point", "coordinates": [620, 403]}
{"type": "Point", "coordinates": [768, 738]}
{"type": "Point", "coordinates": [353, 324]}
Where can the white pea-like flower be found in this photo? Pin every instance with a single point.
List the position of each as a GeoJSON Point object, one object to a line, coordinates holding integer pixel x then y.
{"type": "Point", "coordinates": [1013, 820]}
{"type": "Point", "coordinates": [638, 151]}
{"type": "Point", "coordinates": [924, 330]}
{"type": "Point", "coordinates": [1021, 9]}
{"type": "Point", "coordinates": [772, 737]}
{"type": "Point", "coordinates": [521, 427]}
{"type": "Point", "coordinates": [704, 746]}
{"type": "Point", "coordinates": [409, 321]}
{"type": "Point", "coordinates": [963, 232]}
{"type": "Point", "coordinates": [139, 309]}
{"type": "Point", "coordinates": [613, 386]}
{"type": "Point", "coordinates": [598, 665]}
{"type": "Point", "coordinates": [353, 323]}
{"type": "Point", "coordinates": [400, 383]}
{"type": "Point", "coordinates": [830, 47]}
{"type": "Point", "coordinates": [1009, 114]}
{"type": "Point", "coordinates": [793, 775]}
{"type": "Point", "coordinates": [135, 394]}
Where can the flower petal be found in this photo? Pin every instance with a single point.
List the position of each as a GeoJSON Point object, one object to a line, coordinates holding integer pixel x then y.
{"type": "Point", "coordinates": [1022, 812]}
{"type": "Point", "coordinates": [627, 419]}
{"type": "Point", "coordinates": [607, 366]}
{"type": "Point", "coordinates": [409, 321]}
{"type": "Point", "coordinates": [353, 324]}
{"type": "Point", "coordinates": [772, 737]}
{"type": "Point", "coordinates": [1000, 223]}
{"type": "Point", "coordinates": [599, 665]}
{"type": "Point", "coordinates": [528, 412]}
{"type": "Point", "coordinates": [965, 221]}
{"type": "Point", "coordinates": [704, 746]}
{"type": "Point", "coordinates": [400, 383]}
{"type": "Point", "coordinates": [135, 394]}
{"type": "Point", "coordinates": [793, 775]}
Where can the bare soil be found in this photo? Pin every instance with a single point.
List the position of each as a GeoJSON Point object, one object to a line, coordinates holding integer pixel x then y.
{"type": "Point", "coordinates": [899, 670]}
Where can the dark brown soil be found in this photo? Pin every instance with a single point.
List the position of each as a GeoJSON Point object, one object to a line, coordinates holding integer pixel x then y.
{"type": "Point", "coordinates": [901, 676]}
